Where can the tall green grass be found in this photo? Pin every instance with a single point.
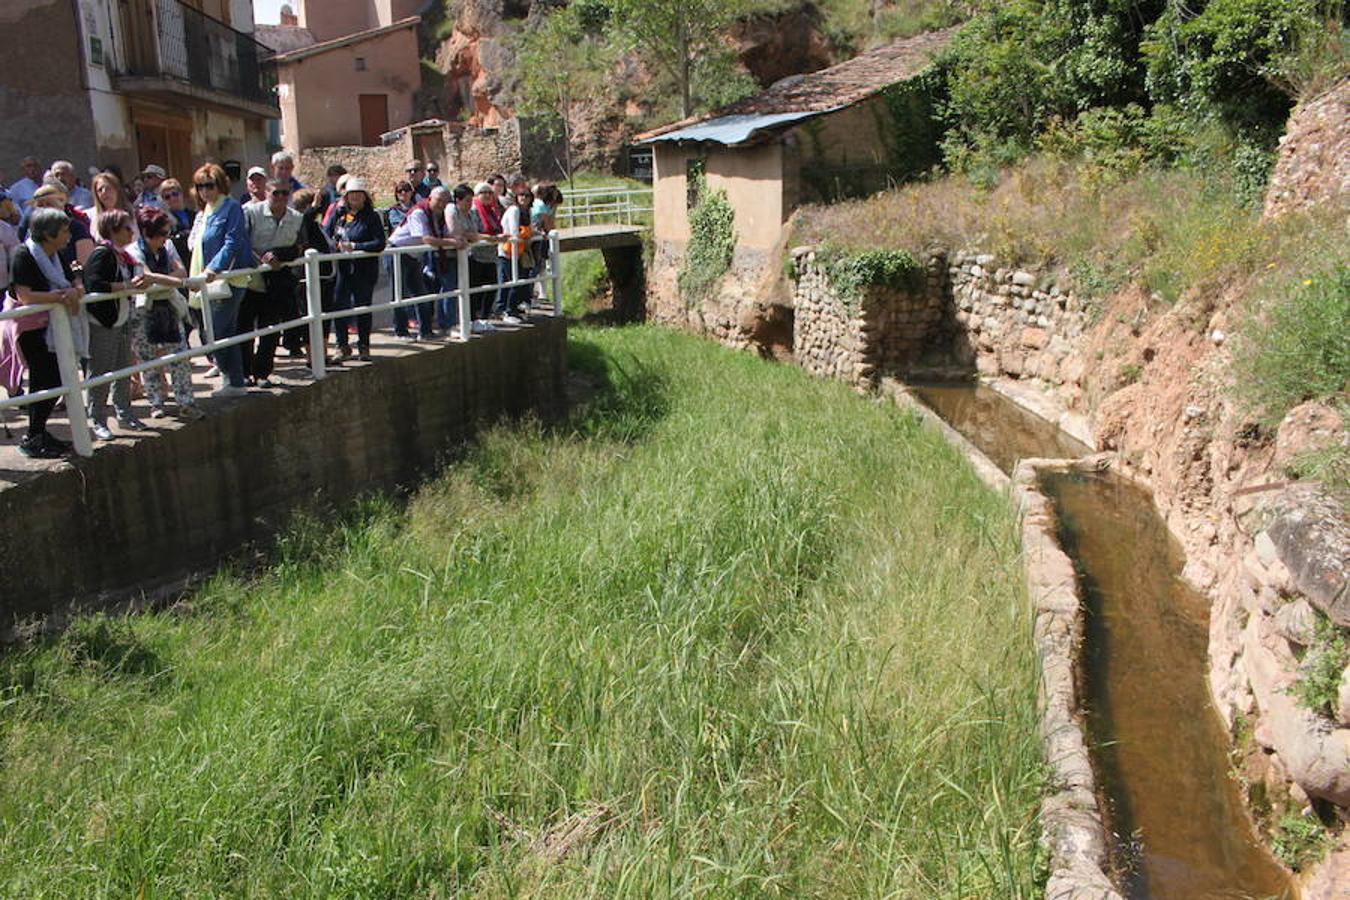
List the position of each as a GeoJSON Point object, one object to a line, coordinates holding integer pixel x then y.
{"type": "Point", "coordinates": [732, 632]}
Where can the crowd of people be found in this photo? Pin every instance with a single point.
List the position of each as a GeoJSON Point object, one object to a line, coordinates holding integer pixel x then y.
{"type": "Point", "coordinates": [60, 240]}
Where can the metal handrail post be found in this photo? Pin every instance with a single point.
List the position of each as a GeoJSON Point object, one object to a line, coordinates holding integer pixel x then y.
{"type": "Point", "coordinates": [314, 314]}
{"type": "Point", "coordinates": [555, 266]}
{"type": "Point", "coordinates": [465, 298]}
{"type": "Point", "coordinates": [69, 365]}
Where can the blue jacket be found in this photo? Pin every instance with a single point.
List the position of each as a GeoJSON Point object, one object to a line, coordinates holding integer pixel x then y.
{"type": "Point", "coordinates": [366, 232]}
{"type": "Point", "coordinates": [225, 241]}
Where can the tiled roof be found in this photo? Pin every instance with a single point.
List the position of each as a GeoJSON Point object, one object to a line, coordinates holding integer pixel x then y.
{"type": "Point", "coordinates": [834, 88]}
{"type": "Point", "coordinates": [347, 40]}
{"type": "Point", "coordinates": [283, 38]}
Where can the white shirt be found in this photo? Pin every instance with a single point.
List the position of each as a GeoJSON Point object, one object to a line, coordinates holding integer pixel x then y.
{"type": "Point", "coordinates": [412, 229]}
{"type": "Point", "coordinates": [510, 228]}
{"type": "Point", "coordinates": [267, 232]}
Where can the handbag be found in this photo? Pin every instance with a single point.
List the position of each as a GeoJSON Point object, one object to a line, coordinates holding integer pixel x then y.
{"type": "Point", "coordinates": [179, 304]}
{"type": "Point", "coordinates": [218, 290]}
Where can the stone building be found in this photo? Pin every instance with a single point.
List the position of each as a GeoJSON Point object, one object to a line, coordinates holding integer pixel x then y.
{"type": "Point", "coordinates": [347, 70]}
{"type": "Point", "coordinates": [133, 82]}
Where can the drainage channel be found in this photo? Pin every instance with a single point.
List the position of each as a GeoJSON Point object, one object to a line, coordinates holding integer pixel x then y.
{"type": "Point", "coordinates": [1179, 828]}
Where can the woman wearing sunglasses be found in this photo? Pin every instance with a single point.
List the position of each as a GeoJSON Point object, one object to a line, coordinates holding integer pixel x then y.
{"type": "Point", "coordinates": [219, 243]}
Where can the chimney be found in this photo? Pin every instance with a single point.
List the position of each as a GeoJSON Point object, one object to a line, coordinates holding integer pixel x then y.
{"type": "Point", "coordinates": [288, 16]}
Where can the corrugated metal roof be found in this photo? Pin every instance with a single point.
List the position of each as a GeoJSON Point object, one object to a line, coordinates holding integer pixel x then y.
{"type": "Point", "coordinates": [730, 130]}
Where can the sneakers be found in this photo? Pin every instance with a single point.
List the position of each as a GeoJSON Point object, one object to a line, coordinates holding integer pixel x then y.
{"type": "Point", "coordinates": [364, 355]}
{"type": "Point", "coordinates": [100, 431]}
{"type": "Point", "coordinates": [42, 446]}
{"type": "Point", "coordinates": [406, 337]}
{"type": "Point", "coordinates": [510, 320]}
{"type": "Point", "coordinates": [191, 413]}
{"type": "Point", "coordinates": [266, 383]}
{"type": "Point", "coordinates": [213, 372]}
{"type": "Point", "coordinates": [128, 422]}
{"type": "Point", "coordinates": [158, 412]}
{"type": "Point", "coordinates": [226, 391]}
{"type": "Point", "coordinates": [481, 326]}
{"type": "Point", "coordinates": [344, 353]}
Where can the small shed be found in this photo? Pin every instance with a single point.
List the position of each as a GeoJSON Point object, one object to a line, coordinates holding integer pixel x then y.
{"type": "Point", "coordinates": [843, 131]}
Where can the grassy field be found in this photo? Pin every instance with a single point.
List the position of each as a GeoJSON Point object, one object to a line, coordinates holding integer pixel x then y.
{"type": "Point", "coordinates": [732, 632]}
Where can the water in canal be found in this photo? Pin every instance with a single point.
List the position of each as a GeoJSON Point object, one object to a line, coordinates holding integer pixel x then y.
{"type": "Point", "coordinates": [1159, 748]}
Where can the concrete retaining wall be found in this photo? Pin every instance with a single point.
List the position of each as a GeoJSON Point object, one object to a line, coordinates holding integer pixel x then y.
{"type": "Point", "coordinates": [134, 520]}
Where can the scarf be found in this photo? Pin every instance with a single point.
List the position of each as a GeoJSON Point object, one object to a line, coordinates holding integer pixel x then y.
{"type": "Point", "coordinates": [490, 217]}
{"type": "Point", "coordinates": [198, 264]}
{"type": "Point", "coordinates": [436, 225]}
{"type": "Point", "coordinates": [50, 266]}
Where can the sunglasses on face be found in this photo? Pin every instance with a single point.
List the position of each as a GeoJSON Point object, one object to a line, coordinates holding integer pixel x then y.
{"type": "Point", "coordinates": [171, 194]}
{"type": "Point", "coordinates": [405, 190]}
{"type": "Point", "coordinates": [205, 185]}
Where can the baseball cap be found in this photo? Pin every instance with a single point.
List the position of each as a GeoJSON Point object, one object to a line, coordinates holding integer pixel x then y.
{"type": "Point", "coordinates": [257, 170]}
{"type": "Point", "coordinates": [157, 171]}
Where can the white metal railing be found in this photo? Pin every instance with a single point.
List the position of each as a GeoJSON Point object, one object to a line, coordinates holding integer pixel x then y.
{"type": "Point", "coordinates": [594, 206]}
{"type": "Point", "coordinates": [73, 387]}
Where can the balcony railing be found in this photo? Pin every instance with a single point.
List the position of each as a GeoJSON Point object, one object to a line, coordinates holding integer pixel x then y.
{"type": "Point", "coordinates": [182, 44]}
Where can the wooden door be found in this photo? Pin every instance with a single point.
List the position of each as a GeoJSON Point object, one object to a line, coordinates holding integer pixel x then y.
{"type": "Point", "coordinates": [374, 117]}
{"type": "Point", "coordinates": [138, 37]}
{"type": "Point", "coordinates": [152, 145]}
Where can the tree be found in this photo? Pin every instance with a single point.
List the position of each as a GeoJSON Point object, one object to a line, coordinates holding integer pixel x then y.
{"type": "Point", "coordinates": [678, 34]}
{"type": "Point", "coordinates": [563, 66]}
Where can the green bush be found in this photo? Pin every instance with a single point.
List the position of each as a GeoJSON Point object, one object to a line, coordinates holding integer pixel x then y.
{"type": "Point", "coordinates": [712, 243]}
{"type": "Point", "coordinates": [584, 280]}
{"type": "Point", "coordinates": [851, 273]}
{"type": "Point", "coordinates": [1319, 676]}
{"type": "Point", "coordinates": [1298, 350]}
{"type": "Point", "coordinates": [1300, 841]}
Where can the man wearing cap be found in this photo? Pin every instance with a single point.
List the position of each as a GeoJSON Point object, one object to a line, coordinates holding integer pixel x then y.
{"type": "Point", "coordinates": [151, 179]}
{"type": "Point", "coordinates": [255, 187]}
{"type": "Point", "coordinates": [274, 231]}
{"type": "Point", "coordinates": [22, 191]}
{"type": "Point", "coordinates": [416, 172]}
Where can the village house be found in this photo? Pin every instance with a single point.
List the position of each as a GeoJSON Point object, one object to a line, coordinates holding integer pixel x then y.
{"type": "Point", "coordinates": [842, 131]}
{"type": "Point", "coordinates": [134, 83]}
{"type": "Point", "coordinates": [347, 70]}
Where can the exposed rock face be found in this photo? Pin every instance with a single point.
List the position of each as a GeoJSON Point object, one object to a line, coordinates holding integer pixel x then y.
{"type": "Point", "coordinates": [1314, 160]}
{"type": "Point", "coordinates": [776, 46]}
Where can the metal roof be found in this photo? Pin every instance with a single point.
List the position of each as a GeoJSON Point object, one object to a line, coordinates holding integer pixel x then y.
{"type": "Point", "coordinates": [729, 130]}
{"type": "Point", "coordinates": [799, 97]}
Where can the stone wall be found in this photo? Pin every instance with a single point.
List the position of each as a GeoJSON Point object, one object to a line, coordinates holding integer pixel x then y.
{"type": "Point", "coordinates": [884, 330]}
{"type": "Point", "coordinates": [1011, 321]}
{"type": "Point", "coordinates": [464, 153]}
{"type": "Point", "coordinates": [136, 519]}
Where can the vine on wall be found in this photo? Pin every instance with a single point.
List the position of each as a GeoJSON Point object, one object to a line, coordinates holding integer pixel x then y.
{"type": "Point", "coordinates": [712, 242]}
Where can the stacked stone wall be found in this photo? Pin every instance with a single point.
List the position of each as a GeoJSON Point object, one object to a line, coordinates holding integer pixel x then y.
{"type": "Point", "coordinates": [883, 330]}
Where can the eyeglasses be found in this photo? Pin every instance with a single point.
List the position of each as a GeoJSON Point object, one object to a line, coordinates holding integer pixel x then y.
{"type": "Point", "coordinates": [204, 185]}
{"type": "Point", "coordinates": [171, 193]}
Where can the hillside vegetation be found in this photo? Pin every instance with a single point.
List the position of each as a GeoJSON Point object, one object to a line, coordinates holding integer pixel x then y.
{"type": "Point", "coordinates": [732, 631]}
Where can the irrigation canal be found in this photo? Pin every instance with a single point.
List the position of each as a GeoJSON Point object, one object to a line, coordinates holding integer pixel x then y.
{"type": "Point", "coordinates": [1179, 828]}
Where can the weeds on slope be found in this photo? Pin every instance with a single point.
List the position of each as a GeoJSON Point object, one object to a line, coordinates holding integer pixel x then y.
{"type": "Point", "coordinates": [733, 632]}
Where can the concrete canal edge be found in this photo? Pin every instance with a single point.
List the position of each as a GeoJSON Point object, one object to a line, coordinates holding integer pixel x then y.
{"type": "Point", "coordinates": [1072, 826]}
{"type": "Point", "coordinates": [137, 523]}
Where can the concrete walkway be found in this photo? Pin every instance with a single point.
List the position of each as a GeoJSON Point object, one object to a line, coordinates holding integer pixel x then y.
{"type": "Point", "coordinates": [290, 374]}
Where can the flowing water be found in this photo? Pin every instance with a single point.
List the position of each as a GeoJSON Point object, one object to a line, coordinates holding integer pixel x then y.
{"type": "Point", "coordinates": [1159, 747]}
{"type": "Point", "coordinates": [1002, 430]}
